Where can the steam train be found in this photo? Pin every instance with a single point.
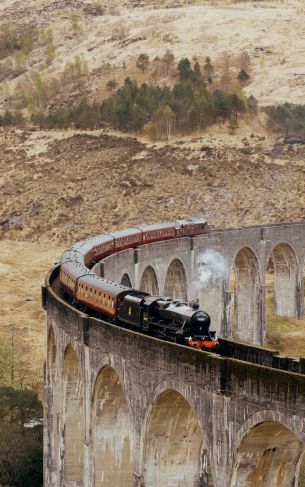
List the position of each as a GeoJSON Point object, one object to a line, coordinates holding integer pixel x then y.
{"type": "Point", "coordinates": [165, 318]}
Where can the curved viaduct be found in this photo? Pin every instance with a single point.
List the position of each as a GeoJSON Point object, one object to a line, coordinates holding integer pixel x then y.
{"type": "Point", "coordinates": [124, 409]}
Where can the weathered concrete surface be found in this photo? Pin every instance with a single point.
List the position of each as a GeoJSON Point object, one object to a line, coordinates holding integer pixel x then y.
{"type": "Point", "coordinates": [172, 268]}
{"type": "Point", "coordinates": [144, 412]}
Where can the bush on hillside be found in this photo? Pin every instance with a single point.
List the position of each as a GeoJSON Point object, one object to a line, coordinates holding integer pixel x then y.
{"type": "Point", "coordinates": [287, 118]}
{"type": "Point", "coordinates": [243, 76]}
{"type": "Point", "coordinates": [142, 62]}
{"type": "Point", "coordinates": [15, 119]}
{"type": "Point", "coordinates": [11, 40]}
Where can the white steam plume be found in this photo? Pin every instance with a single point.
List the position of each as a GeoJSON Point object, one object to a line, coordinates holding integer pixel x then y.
{"type": "Point", "coordinates": [211, 267]}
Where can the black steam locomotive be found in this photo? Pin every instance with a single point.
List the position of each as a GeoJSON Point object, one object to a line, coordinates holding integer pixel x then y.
{"type": "Point", "coordinates": [168, 319]}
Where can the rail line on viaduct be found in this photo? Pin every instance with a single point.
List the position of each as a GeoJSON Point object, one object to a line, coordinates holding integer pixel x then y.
{"type": "Point", "coordinates": [124, 409]}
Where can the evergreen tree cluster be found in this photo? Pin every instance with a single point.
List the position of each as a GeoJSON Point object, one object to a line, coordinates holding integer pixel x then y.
{"type": "Point", "coordinates": [188, 105]}
{"type": "Point", "coordinates": [12, 118]}
{"type": "Point", "coordinates": [287, 118]}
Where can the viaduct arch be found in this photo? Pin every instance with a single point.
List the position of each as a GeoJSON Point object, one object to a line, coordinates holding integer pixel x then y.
{"type": "Point", "coordinates": [247, 251]}
{"type": "Point", "coordinates": [126, 409]}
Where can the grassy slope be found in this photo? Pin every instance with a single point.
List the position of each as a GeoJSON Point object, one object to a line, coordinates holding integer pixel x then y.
{"type": "Point", "coordinates": [22, 271]}
{"type": "Point", "coordinates": [284, 334]}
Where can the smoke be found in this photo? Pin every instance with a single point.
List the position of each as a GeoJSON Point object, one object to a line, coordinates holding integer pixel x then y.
{"type": "Point", "coordinates": [211, 267]}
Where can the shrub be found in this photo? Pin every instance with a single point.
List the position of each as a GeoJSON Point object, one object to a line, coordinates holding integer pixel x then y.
{"type": "Point", "coordinates": [244, 61]}
{"type": "Point", "coordinates": [233, 124]}
{"type": "Point", "coordinates": [287, 118]}
{"type": "Point", "coordinates": [111, 85]}
{"type": "Point", "coordinates": [143, 62]}
{"type": "Point", "coordinates": [208, 67]}
{"type": "Point", "coordinates": [99, 9]}
{"type": "Point", "coordinates": [75, 70]}
{"type": "Point", "coordinates": [50, 53]}
{"type": "Point", "coordinates": [184, 69]}
{"type": "Point", "coordinates": [168, 60]}
{"type": "Point", "coordinates": [151, 130]}
{"type": "Point", "coordinates": [11, 40]}
{"type": "Point", "coordinates": [164, 118]}
{"type": "Point", "coordinates": [11, 118]}
{"type": "Point", "coordinates": [252, 105]}
{"type": "Point", "coordinates": [243, 76]}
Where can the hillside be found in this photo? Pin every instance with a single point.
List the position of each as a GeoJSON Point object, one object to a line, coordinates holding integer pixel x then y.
{"type": "Point", "coordinates": [109, 39]}
{"type": "Point", "coordinates": [64, 186]}
{"type": "Point", "coordinates": [58, 186]}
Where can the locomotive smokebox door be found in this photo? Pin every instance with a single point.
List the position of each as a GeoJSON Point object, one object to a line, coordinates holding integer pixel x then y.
{"type": "Point", "coordinates": [131, 310]}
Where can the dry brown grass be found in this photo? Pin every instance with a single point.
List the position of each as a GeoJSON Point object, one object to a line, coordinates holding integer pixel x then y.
{"type": "Point", "coordinates": [284, 334]}
{"type": "Point", "coordinates": [23, 267]}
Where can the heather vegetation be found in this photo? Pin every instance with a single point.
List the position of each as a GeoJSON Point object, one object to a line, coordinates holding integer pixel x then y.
{"type": "Point", "coordinates": [20, 425]}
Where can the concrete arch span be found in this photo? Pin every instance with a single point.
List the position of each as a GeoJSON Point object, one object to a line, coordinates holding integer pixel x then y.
{"type": "Point", "coordinates": [126, 281]}
{"type": "Point", "coordinates": [268, 456]}
{"type": "Point", "coordinates": [174, 455]}
{"type": "Point", "coordinates": [73, 421]}
{"type": "Point", "coordinates": [111, 432]}
{"type": "Point", "coordinates": [285, 266]}
{"type": "Point", "coordinates": [149, 281]}
{"type": "Point", "coordinates": [247, 297]}
{"type": "Point", "coordinates": [176, 281]}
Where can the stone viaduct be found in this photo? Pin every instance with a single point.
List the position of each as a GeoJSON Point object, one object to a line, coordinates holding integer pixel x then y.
{"type": "Point", "coordinates": [124, 409]}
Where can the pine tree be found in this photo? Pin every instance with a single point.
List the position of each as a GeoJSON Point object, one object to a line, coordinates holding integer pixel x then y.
{"type": "Point", "coordinates": [143, 62]}
{"type": "Point", "coordinates": [184, 69]}
{"type": "Point", "coordinates": [168, 60]}
{"type": "Point", "coordinates": [208, 68]}
{"type": "Point", "coordinates": [233, 124]}
{"type": "Point", "coordinates": [243, 77]}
